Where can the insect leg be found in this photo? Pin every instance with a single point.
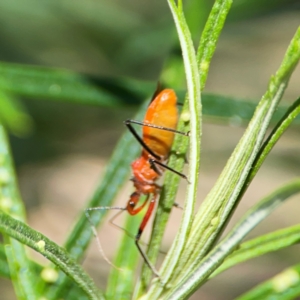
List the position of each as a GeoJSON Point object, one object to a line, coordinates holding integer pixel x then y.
{"type": "Point", "coordinates": [141, 229]}
{"type": "Point", "coordinates": [131, 210]}
{"type": "Point", "coordinates": [155, 126]}
{"type": "Point", "coordinates": [139, 139]}
{"type": "Point", "coordinates": [154, 162]}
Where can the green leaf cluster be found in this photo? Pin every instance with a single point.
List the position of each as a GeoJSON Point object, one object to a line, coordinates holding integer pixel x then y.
{"type": "Point", "coordinates": [197, 253]}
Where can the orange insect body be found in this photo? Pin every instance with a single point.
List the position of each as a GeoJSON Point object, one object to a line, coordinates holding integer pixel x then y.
{"type": "Point", "coordinates": [162, 111]}
{"type": "Point", "coordinates": [159, 127]}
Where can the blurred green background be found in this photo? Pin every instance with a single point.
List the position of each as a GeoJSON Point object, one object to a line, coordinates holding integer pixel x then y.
{"type": "Point", "coordinates": [125, 47]}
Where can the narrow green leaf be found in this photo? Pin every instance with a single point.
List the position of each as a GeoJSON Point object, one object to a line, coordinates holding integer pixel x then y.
{"type": "Point", "coordinates": [234, 111]}
{"type": "Point", "coordinates": [220, 202]}
{"type": "Point", "coordinates": [13, 116]}
{"type": "Point", "coordinates": [202, 270]}
{"type": "Point", "coordinates": [63, 85]}
{"type": "Point", "coordinates": [284, 286]}
{"type": "Point", "coordinates": [261, 245]}
{"type": "Point", "coordinates": [274, 136]}
{"type": "Point", "coordinates": [193, 84]}
{"type": "Point", "coordinates": [41, 82]}
{"type": "Point", "coordinates": [207, 46]}
{"type": "Point", "coordinates": [210, 36]}
{"type": "Point", "coordinates": [35, 240]}
{"type": "Point", "coordinates": [204, 56]}
{"type": "Point", "coordinates": [10, 202]}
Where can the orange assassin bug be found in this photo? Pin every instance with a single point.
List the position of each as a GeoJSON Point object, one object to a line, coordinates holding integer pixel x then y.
{"type": "Point", "coordinates": [158, 132]}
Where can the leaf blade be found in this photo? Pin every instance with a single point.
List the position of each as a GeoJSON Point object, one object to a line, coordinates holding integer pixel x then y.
{"type": "Point", "coordinates": [10, 202]}
{"type": "Point", "coordinates": [261, 245]}
{"type": "Point", "coordinates": [26, 235]}
{"type": "Point", "coordinates": [202, 269]}
{"type": "Point", "coordinates": [219, 203]}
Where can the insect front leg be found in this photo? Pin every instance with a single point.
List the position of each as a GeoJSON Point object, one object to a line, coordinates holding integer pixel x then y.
{"type": "Point", "coordinates": [153, 162]}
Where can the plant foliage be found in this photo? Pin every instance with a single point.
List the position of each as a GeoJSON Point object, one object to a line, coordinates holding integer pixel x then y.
{"type": "Point", "coordinates": [197, 253]}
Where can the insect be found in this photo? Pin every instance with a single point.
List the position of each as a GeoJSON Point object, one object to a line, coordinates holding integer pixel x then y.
{"type": "Point", "coordinates": [158, 132]}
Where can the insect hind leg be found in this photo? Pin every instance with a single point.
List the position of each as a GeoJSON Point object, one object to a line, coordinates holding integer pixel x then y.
{"type": "Point", "coordinates": [141, 229]}
{"type": "Point", "coordinates": [94, 230]}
